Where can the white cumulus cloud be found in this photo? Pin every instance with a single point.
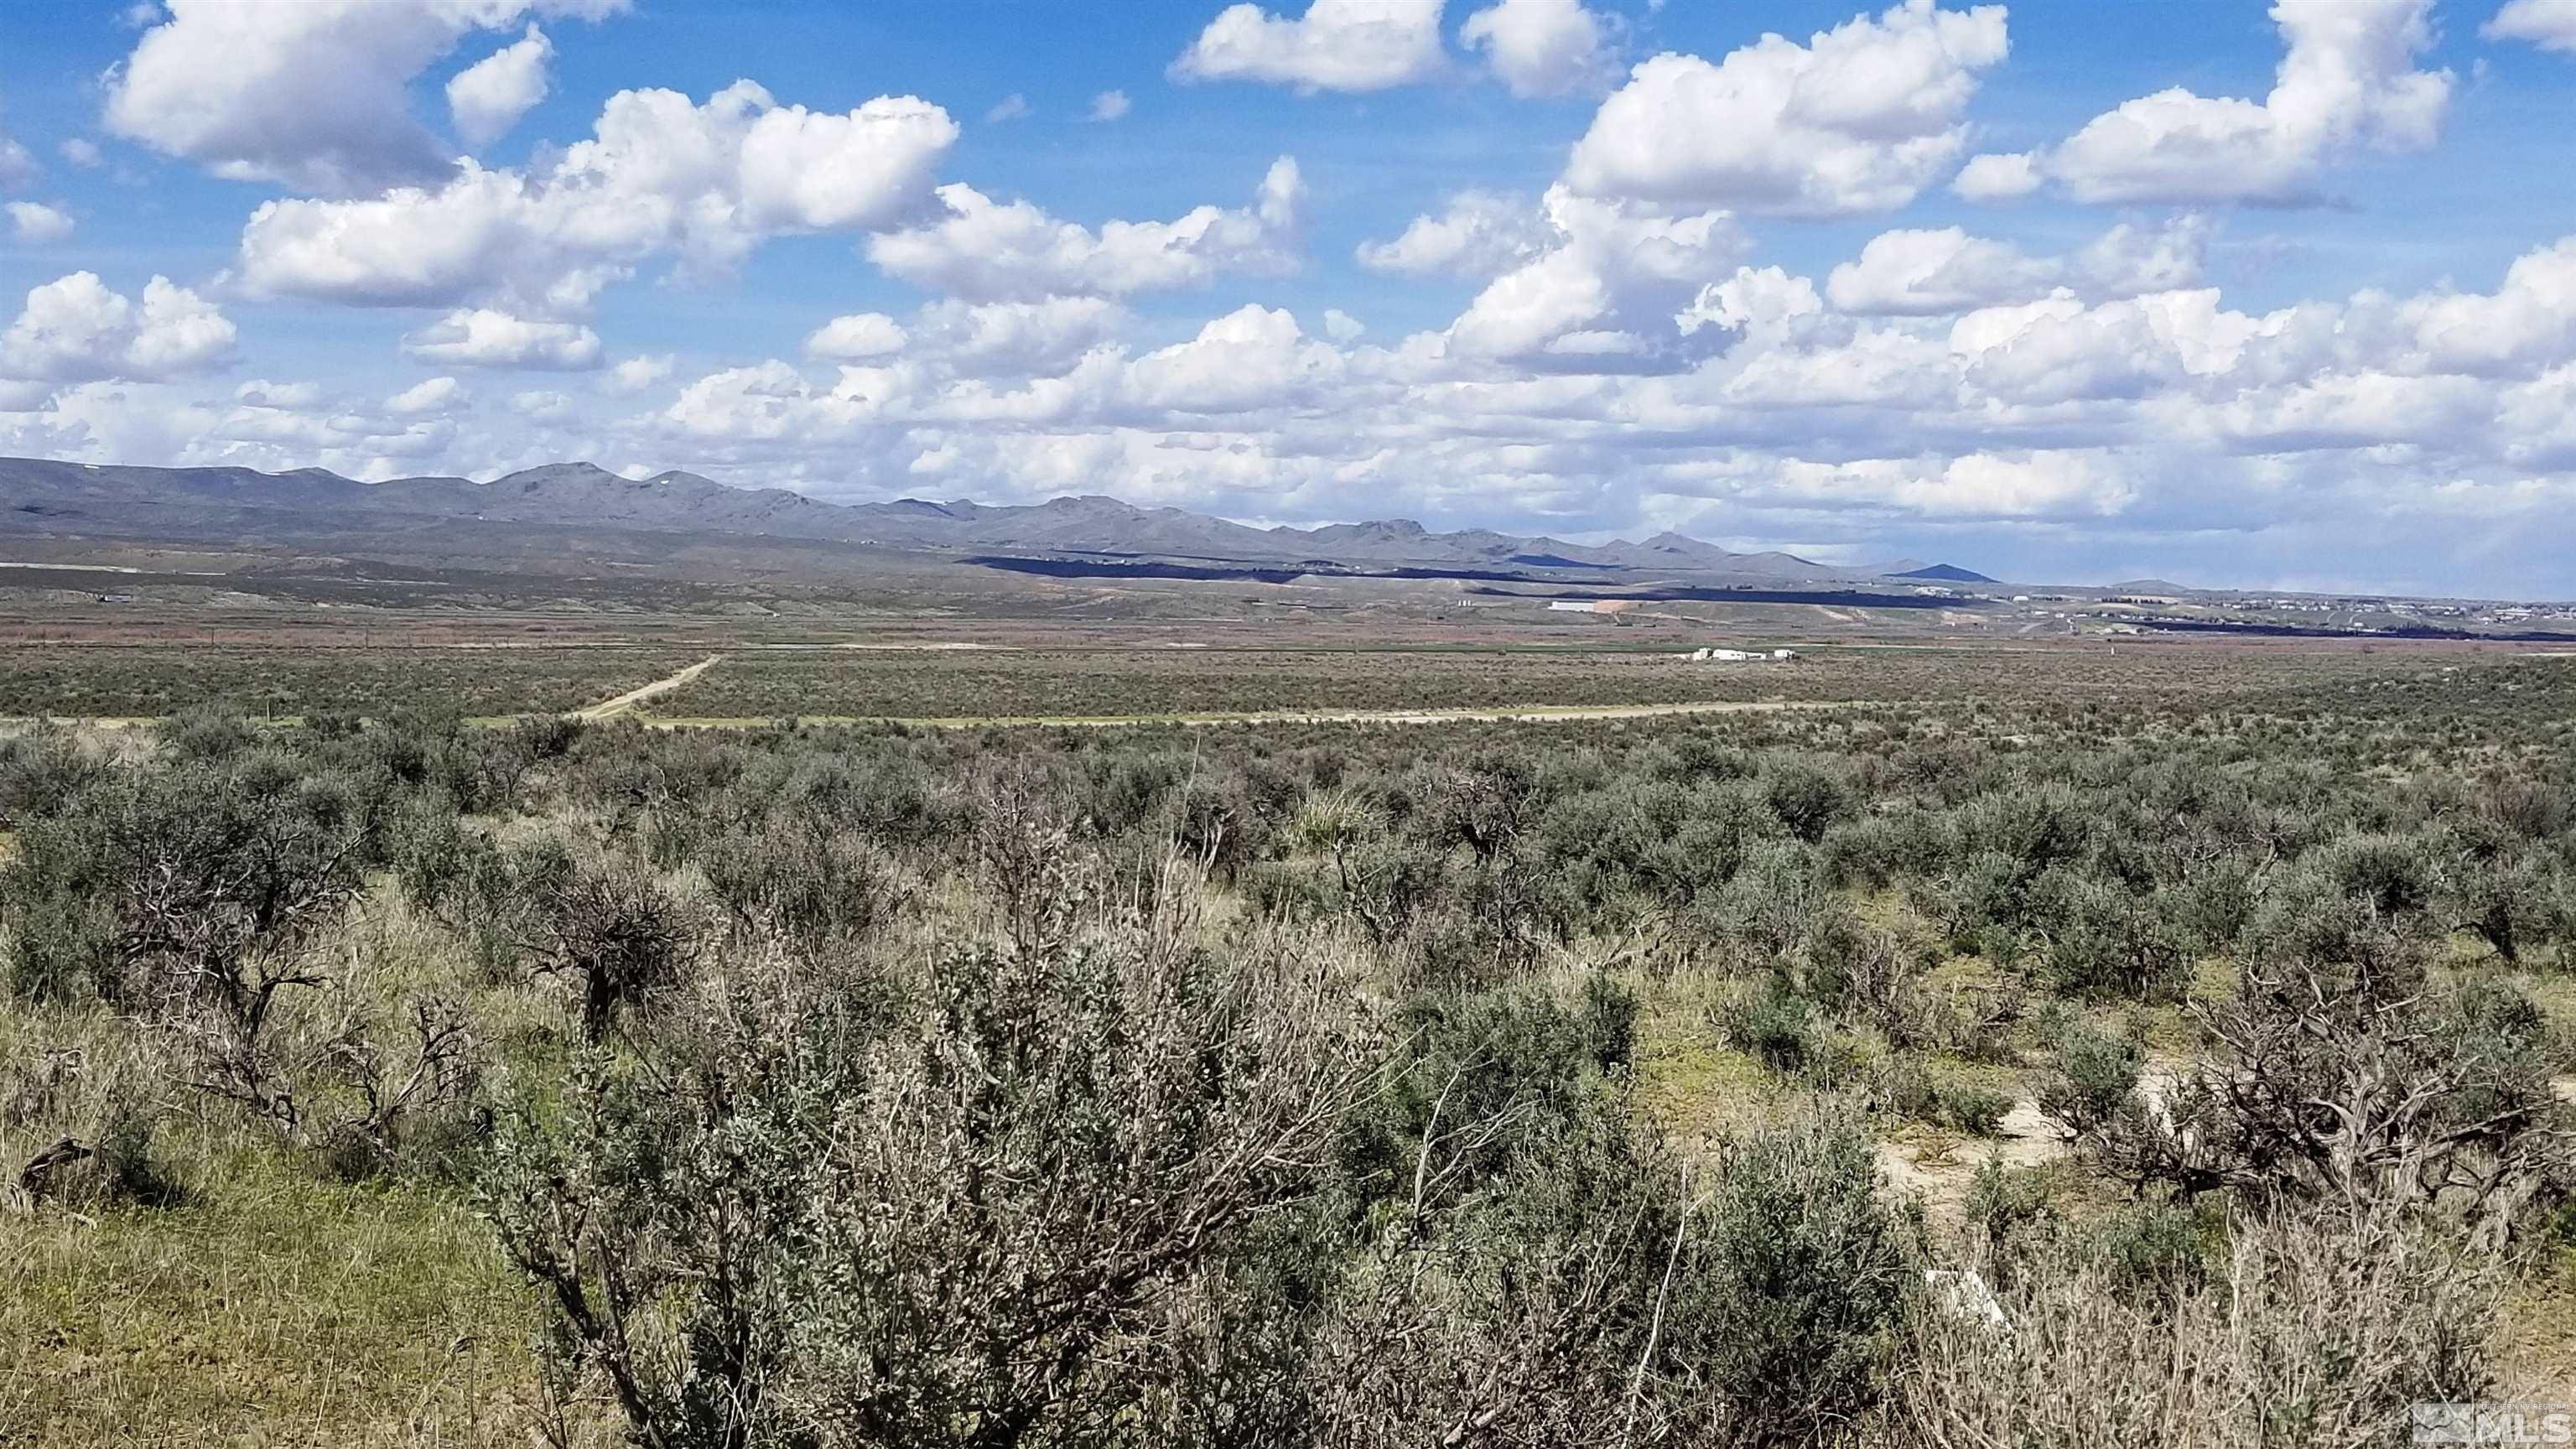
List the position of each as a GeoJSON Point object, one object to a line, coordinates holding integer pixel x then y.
{"type": "Point", "coordinates": [75, 329]}
{"type": "Point", "coordinates": [488, 97]}
{"type": "Point", "coordinates": [2023, 484]}
{"type": "Point", "coordinates": [37, 224]}
{"type": "Point", "coordinates": [1254, 357]}
{"type": "Point", "coordinates": [1766, 299]}
{"type": "Point", "coordinates": [1859, 119]}
{"type": "Point", "coordinates": [2348, 82]}
{"type": "Point", "coordinates": [856, 337]}
{"type": "Point", "coordinates": [1540, 47]}
{"type": "Point", "coordinates": [2527, 322]}
{"type": "Point", "coordinates": [2549, 24]}
{"type": "Point", "coordinates": [1944, 271]}
{"type": "Point", "coordinates": [312, 93]}
{"type": "Point", "coordinates": [635, 374]}
{"type": "Point", "coordinates": [1997, 177]}
{"type": "Point", "coordinates": [1935, 273]}
{"type": "Point", "coordinates": [1611, 282]}
{"type": "Point", "coordinates": [1337, 45]}
{"type": "Point", "coordinates": [1045, 336]}
{"type": "Point", "coordinates": [660, 175]}
{"type": "Point", "coordinates": [542, 405]}
{"type": "Point", "coordinates": [989, 250]}
{"type": "Point", "coordinates": [431, 395]}
{"type": "Point", "coordinates": [1477, 234]}
{"type": "Point", "coordinates": [482, 337]}
{"type": "Point", "coordinates": [260, 392]}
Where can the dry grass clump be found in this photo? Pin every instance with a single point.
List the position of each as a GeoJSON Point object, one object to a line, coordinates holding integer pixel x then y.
{"type": "Point", "coordinates": [2312, 1328]}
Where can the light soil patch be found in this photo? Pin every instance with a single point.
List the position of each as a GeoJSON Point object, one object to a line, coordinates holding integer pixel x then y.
{"type": "Point", "coordinates": [621, 704]}
{"type": "Point", "coordinates": [1939, 1167]}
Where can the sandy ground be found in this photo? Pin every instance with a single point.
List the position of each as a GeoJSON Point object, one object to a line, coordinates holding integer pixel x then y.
{"type": "Point", "coordinates": [1939, 1169]}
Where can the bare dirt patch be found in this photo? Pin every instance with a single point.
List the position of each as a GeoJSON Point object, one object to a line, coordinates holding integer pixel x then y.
{"type": "Point", "coordinates": [1938, 1168]}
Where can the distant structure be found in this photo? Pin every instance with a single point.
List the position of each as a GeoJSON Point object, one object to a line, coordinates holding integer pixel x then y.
{"type": "Point", "coordinates": [1739, 656]}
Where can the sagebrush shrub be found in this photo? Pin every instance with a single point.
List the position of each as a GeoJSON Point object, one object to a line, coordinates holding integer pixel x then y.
{"type": "Point", "coordinates": [1809, 1274]}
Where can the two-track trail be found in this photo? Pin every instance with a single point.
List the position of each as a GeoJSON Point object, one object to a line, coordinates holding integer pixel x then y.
{"type": "Point", "coordinates": [625, 703]}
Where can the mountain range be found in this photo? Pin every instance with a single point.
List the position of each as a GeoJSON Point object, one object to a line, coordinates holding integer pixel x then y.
{"type": "Point", "coordinates": [234, 507]}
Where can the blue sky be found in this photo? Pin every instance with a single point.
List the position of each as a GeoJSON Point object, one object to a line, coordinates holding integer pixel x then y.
{"type": "Point", "coordinates": [2273, 297]}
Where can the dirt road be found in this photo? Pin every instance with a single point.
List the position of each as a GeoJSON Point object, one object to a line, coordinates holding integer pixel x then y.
{"type": "Point", "coordinates": [611, 708]}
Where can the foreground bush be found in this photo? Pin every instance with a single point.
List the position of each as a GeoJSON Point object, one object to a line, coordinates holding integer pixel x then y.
{"type": "Point", "coordinates": [181, 889]}
{"type": "Point", "coordinates": [2317, 1329]}
{"type": "Point", "coordinates": [961, 1223]}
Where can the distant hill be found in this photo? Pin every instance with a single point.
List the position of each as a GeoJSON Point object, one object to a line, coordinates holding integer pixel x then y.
{"type": "Point", "coordinates": [314, 510]}
{"type": "Point", "coordinates": [1945, 573]}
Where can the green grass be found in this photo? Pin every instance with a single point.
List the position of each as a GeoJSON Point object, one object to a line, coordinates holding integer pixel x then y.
{"type": "Point", "coordinates": [1690, 1083]}
{"type": "Point", "coordinates": [270, 1307]}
